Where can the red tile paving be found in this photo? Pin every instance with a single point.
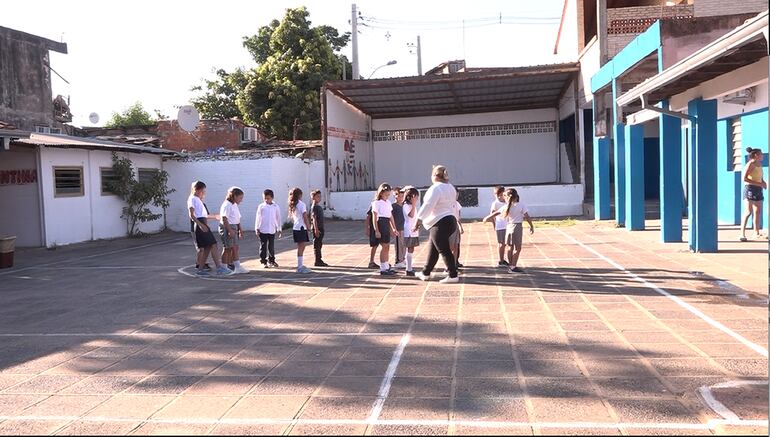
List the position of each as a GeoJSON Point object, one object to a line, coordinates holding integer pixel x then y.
{"type": "Point", "coordinates": [126, 344]}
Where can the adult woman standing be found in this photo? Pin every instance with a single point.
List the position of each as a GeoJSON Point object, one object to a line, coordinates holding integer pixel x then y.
{"type": "Point", "coordinates": [437, 216]}
{"type": "Point", "coordinates": [752, 191]}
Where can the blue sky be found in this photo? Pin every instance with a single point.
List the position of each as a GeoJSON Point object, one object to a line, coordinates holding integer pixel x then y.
{"type": "Point", "coordinates": [154, 51]}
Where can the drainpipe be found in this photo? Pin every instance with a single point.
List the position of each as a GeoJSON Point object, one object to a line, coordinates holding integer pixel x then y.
{"type": "Point", "coordinates": [90, 196]}
{"type": "Point", "coordinates": [676, 114]}
{"type": "Point", "coordinates": [162, 168]}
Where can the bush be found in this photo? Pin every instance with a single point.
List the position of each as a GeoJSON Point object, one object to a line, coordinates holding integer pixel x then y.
{"type": "Point", "coordinates": [138, 195]}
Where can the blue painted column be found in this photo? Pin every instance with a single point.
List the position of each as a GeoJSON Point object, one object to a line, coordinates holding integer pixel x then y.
{"type": "Point", "coordinates": [619, 146]}
{"type": "Point", "coordinates": [703, 197]}
{"type": "Point", "coordinates": [634, 166]}
{"type": "Point", "coordinates": [601, 176]}
{"type": "Point", "coordinates": [671, 195]}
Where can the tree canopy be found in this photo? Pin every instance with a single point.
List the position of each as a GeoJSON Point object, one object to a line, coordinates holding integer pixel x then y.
{"type": "Point", "coordinates": [293, 60]}
{"type": "Point", "coordinates": [134, 115]}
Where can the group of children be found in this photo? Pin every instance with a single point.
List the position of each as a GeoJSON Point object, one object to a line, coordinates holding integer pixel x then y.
{"type": "Point", "coordinates": [385, 222]}
{"type": "Point", "coordinates": [268, 225]}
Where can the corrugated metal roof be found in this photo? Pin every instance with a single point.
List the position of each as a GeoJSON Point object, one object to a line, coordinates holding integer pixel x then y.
{"type": "Point", "coordinates": [68, 142]}
{"type": "Point", "coordinates": [498, 89]}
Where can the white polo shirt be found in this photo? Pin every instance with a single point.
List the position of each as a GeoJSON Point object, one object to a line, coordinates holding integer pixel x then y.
{"type": "Point", "coordinates": [231, 211]}
{"type": "Point", "coordinates": [268, 218]}
{"type": "Point", "coordinates": [383, 208]}
{"type": "Point", "coordinates": [196, 203]}
{"type": "Point", "coordinates": [297, 216]}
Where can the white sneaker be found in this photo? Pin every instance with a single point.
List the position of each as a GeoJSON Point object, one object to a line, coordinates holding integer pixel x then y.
{"type": "Point", "coordinates": [449, 280]}
{"type": "Point", "coordinates": [421, 276]}
{"type": "Point", "coordinates": [240, 270]}
{"type": "Point", "coordinates": [304, 270]}
{"type": "Point", "coordinates": [400, 266]}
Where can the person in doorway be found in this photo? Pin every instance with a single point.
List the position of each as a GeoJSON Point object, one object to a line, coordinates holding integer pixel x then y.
{"type": "Point", "coordinates": [499, 224]}
{"type": "Point", "coordinates": [230, 230]}
{"type": "Point", "coordinates": [384, 225]}
{"type": "Point", "coordinates": [268, 225]}
{"type": "Point", "coordinates": [411, 236]}
{"type": "Point", "coordinates": [204, 238]}
{"type": "Point", "coordinates": [298, 214]}
{"type": "Point", "coordinates": [437, 216]}
{"type": "Point", "coordinates": [317, 225]}
{"type": "Point", "coordinates": [373, 243]}
{"type": "Point", "coordinates": [515, 213]}
{"type": "Point", "coordinates": [454, 240]}
{"type": "Point", "coordinates": [753, 194]}
{"type": "Point", "coordinates": [398, 219]}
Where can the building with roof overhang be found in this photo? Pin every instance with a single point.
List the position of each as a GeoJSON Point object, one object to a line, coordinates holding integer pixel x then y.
{"type": "Point", "coordinates": [490, 127]}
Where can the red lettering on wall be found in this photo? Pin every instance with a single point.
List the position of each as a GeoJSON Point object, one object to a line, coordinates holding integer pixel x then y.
{"type": "Point", "coordinates": [18, 177]}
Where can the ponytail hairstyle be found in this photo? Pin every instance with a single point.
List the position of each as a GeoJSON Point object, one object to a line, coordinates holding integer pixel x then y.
{"type": "Point", "coordinates": [753, 152]}
{"type": "Point", "coordinates": [411, 193]}
{"type": "Point", "coordinates": [232, 193]}
{"type": "Point", "coordinates": [294, 195]}
{"type": "Point", "coordinates": [440, 173]}
{"type": "Point", "coordinates": [384, 187]}
{"type": "Point", "coordinates": [196, 186]}
{"type": "Point", "coordinates": [513, 196]}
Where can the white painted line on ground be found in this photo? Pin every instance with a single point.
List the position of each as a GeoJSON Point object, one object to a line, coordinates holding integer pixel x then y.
{"type": "Point", "coordinates": [301, 277]}
{"type": "Point", "coordinates": [387, 380]}
{"type": "Point", "coordinates": [755, 347]}
{"type": "Point", "coordinates": [197, 334]}
{"type": "Point", "coordinates": [127, 249]}
{"type": "Point", "coordinates": [711, 424]}
{"type": "Point", "coordinates": [718, 407]}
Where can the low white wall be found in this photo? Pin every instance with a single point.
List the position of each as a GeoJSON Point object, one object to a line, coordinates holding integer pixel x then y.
{"type": "Point", "coordinates": [542, 201]}
{"type": "Point", "coordinates": [93, 215]}
{"type": "Point", "coordinates": [253, 176]}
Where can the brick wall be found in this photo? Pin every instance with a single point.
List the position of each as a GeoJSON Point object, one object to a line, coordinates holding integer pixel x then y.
{"type": "Point", "coordinates": [625, 24]}
{"type": "Point", "coordinates": [710, 8]}
{"type": "Point", "coordinates": [210, 134]}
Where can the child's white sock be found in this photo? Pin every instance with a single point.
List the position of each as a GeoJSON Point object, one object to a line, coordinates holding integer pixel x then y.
{"type": "Point", "coordinates": [384, 266]}
{"type": "Point", "coordinates": [408, 262]}
{"type": "Point", "coordinates": [299, 262]}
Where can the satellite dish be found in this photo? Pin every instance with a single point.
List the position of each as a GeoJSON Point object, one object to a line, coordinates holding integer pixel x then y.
{"type": "Point", "coordinates": [93, 118]}
{"type": "Point", "coordinates": [188, 118]}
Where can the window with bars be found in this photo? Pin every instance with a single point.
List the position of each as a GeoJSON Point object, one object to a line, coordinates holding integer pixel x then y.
{"type": "Point", "coordinates": [68, 181]}
{"type": "Point", "coordinates": [108, 177]}
{"type": "Point", "coordinates": [146, 175]}
{"type": "Point", "coordinates": [736, 143]}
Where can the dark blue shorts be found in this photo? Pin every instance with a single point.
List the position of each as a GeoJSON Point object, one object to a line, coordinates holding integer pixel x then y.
{"type": "Point", "coordinates": [753, 193]}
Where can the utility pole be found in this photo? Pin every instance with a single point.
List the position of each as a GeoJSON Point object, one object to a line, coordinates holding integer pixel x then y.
{"type": "Point", "coordinates": [354, 37]}
{"type": "Point", "coordinates": [601, 30]}
{"type": "Point", "coordinates": [419, 57]}
{"type": "Point", "coordinates": [296, 129]}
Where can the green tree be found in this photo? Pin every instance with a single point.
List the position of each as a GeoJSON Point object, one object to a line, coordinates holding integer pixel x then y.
{"type": "Point", "coordinates": [293, 60]}
{"type": "Point", "coordinates": [134, 115]}
{"type": "Point", "coordinates": [219, 99]}
{"type": "Point", "coordinates": [138, 195]}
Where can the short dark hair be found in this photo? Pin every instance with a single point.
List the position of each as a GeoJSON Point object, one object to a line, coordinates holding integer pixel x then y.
{"type": "Point", "coordinates": [314, 192]}
{"type": "Point", "coordinates": [268, 192]}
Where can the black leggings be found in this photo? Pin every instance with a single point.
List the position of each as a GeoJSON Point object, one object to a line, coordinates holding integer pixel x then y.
{"type": "Point", "coordinates": [439, 243]}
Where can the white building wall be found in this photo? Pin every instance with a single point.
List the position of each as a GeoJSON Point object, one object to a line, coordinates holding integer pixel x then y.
{"type": "Point", "coordinates": [522, 158]}
{"type": "Point", "coordinates": [349, 145]}
{"type": "Point", "coordinates": [542, 201]}
{"type": "Point", "coordinates": [253, 176]}
{"type": "Point", "coordinates": [567, 46]}
{"type": "Point", "coordinates": [20, 202]}
{"type": "Point", "coordinates": [590, 63]}
{"type": "Point", "coordinates": [93, 215]}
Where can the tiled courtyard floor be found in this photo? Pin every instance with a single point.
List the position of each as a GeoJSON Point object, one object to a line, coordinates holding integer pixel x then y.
{"type": "Point", "coordinates": [607, 332]}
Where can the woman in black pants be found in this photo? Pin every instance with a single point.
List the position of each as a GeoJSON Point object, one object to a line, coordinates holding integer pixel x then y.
{"type": "Point", "coordinates": [437, 216]}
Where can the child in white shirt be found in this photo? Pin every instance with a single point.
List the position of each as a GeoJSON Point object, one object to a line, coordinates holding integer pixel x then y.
{"type": "Point", "coordinates": [230, 229]}
{"type": "Point", "coordinates": [298, 214]}
{"type": "Point", "coordinates": [268, 224]}
{"type": "Point", "coordinates": [515, 213]}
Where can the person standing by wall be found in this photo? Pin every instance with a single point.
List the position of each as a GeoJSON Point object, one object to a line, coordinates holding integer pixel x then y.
{"type": "Point", "coordinates": [298, 214]}
{"type": "Point", "coordinates": [753, 194]}
{"type": "Point", "coordinates": [437, 216]}
{"type": "Point", "coordinates": [317, 225]}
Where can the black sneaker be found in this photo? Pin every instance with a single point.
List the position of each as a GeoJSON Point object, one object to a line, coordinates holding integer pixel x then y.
{"type": "Point", "coordinates": [410, 273]}
{"type": "Point", "coordinates": [502, 263]}
{"type": "Point", "coordinates": [231, 266]}
{"type": "Point", "coordinates": [206, 267]}
{"type": "Point", "coordinates": [460, 266]}
{"type": "Point", "coordinates": [273, 264]}
{"type": "Point", "coordinates": [388, 272]}
{"type": "Point", "coordinates": [374, 265]}
{"type": "Point", "coordinates": [320, 264]}
{"type": "Point", "coordinates": [516, 270]}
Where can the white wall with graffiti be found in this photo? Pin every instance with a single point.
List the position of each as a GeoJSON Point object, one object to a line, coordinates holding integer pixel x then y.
{"type": "Point", "coordinates": [350, 155]}
{"type": "Point", "coordinates": [20, 196]}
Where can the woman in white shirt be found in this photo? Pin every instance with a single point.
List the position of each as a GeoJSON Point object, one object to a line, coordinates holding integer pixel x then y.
{"type": "Point", "coordinates": [230, 229]}
{"type": "Point", "coordinates": [437, 216]}
{"type": "Point", "coordinates": [298, 214]}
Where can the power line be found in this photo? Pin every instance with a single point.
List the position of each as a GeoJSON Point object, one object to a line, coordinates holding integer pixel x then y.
{"type": "Point", "coordinates": [460, 26]}
{"type": "Point", "coordinates": [498, 19]}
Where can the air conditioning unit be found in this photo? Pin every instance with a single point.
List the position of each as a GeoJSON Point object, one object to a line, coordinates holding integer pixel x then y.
{"type": "Point", "coordinates": [250, 134]}
{"type": "Point", "coordinates": [741, 97]}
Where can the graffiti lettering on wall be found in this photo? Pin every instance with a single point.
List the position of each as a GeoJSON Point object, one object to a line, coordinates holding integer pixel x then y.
{"type": "Point", "coordinates": [18, 177]}
{"type": "Point", "coordinates": [349, 151]}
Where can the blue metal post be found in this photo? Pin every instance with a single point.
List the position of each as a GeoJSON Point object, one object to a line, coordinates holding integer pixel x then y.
{"type": "Point", "coordinates": [601, 175]}
{"type": "Point", "coordinates": [634, 166]}
{"type": "Point", "coordinates": [671, 195]}
{"type": "Point", "coordinates": [703, 179]}
{"type": "Point", "coordinates": [619, 145]}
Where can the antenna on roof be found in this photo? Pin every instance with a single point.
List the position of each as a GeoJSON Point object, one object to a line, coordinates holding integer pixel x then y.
{"type": "Point", "coordinates": [188, 118]}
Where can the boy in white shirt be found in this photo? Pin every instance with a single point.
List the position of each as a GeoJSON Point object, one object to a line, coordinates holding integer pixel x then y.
{"type": "Point", "coordinates": [499, 225]}
{"type": "Point", "coordinates": [268, 224]}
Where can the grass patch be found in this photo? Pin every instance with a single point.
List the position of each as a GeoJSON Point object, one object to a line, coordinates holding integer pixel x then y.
{"type": "Point", "coordinates": [555, 223]}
